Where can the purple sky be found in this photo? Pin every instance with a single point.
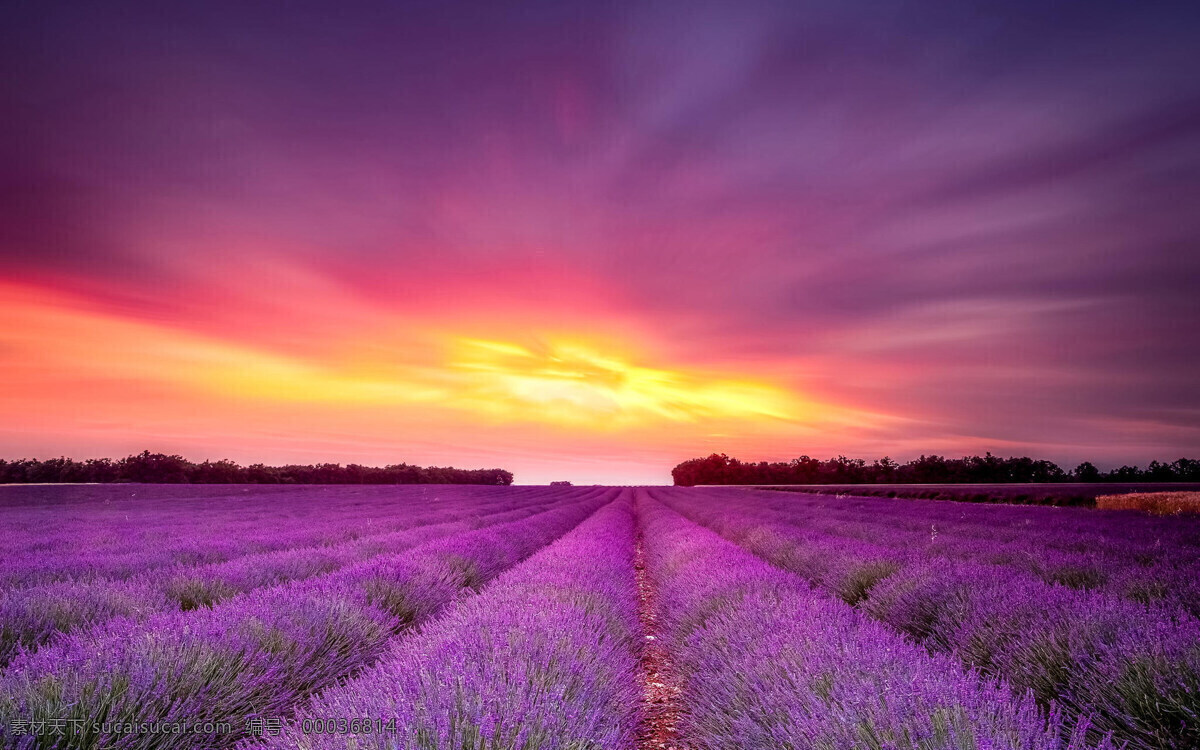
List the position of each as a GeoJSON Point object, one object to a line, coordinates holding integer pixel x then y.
{"type": "Point", "coordinates": [953, 227]}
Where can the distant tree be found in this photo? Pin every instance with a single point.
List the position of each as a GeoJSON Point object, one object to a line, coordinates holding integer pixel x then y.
{"type": "Point", "coordinates": [162, 468]}
{"type": "Point", "coordinates": [805, 470]}
{"type": "Point", "coordinates": [1186, 470]}
{"type": "Point", "coordinates": [1086, 472]}
{"type": "Point", "coordinates": [1159, 472]}
{"type": "Point", "coordinates": [883, 470]}
{"type": "Point", "coordinates": [1124, 474]}
{"type": "Point", "coordinates": [715, 469]}
{"type": "Point", "coordinates": [217, 472]}
{"type": "Point", "coordinates": [153, 467]}
{"type": "Point", "coordinates": [719, 468]}
{"type": "Point", "coordinates": [925, 469]}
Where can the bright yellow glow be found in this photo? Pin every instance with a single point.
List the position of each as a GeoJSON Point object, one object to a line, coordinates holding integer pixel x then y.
{"type": "Point", "coordinates": [71, 367]}
{"type": "Point", "coordinates": [571, 382]}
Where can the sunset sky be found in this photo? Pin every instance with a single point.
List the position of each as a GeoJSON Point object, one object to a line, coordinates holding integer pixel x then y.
{"type": "Point", "coordinates": [589, 241]}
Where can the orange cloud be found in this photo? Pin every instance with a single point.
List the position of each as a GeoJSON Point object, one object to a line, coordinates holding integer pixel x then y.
{"type": "Point", "coordinates": [63, 355]}
{"type": "Point", "coordinates": [562, 381]}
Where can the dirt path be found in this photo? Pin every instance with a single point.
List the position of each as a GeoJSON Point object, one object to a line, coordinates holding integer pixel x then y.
{"type": "Point", "coordinates": [658, 678]}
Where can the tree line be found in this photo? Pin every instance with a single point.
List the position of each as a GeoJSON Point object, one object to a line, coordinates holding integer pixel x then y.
{"type": "Point", "coordinates": [987, 469]}
{"type": "Point", "coordinates": [161, 468]}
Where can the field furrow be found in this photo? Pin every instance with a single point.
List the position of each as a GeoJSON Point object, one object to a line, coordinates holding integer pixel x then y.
{"type": "Point", "coordinates": [658, 677]}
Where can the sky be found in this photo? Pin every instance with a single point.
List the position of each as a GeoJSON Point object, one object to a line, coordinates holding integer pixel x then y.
{"type": "Point", "coordinates": [588, 241]}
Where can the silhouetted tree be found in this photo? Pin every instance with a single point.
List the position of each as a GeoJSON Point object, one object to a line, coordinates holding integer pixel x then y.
{"type": "Point", "coordinates": [162, 468]}
{"type": "Point", "coordinates": [1086, 472]}
{"type": "Point", "coordinates": [719, 468]}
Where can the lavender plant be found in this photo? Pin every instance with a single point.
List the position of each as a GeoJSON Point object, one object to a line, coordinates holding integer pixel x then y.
{"type": "Point", "coordinates": [260, 652]}
{"type": "Point", "coordinates": [770, 663]}
{"type": "Point", "coordinates": [1039, 636]}
{"type": "Point", "coordinates": [32, 616]}
{"type": "Point", "coordinates": [545, 659]}
{"type": "Point", "coordinates": [135, 535]}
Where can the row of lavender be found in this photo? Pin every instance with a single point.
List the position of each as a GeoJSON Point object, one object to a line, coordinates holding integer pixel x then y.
{"type": "Point", "coordinates": [128, 531]}
{"type": "Point", "coordinates": [1134, 668]}
{"type": "Point", "coordinates": [1149, 560]}
{"type": "Point", "coordinates": [1118, 553]}
{"type": "Point", "coordinates": [227, 529]}
{"type": "Point", "coordinates": [259, 652]}
{"type": "Point", "coordinates": [547, 658]}
{"type": "Point", "coordinates": [29, 617]}
{"type": "Point", "coordinates": [768, 662]}
{"type": "Point", "coordinates": [54, 498]}
{"type": "Point", "coordinates": [126, 517]}
{"type": "Point", "coordinates": [1130, 534]}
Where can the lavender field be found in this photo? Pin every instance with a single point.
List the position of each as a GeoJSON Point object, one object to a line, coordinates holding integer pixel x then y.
{"type": "Point", "coordinates": [453, 616]}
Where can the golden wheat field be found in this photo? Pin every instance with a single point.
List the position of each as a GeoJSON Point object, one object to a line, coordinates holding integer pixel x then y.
{"type": "Point", "coordinates": [1159, 503]}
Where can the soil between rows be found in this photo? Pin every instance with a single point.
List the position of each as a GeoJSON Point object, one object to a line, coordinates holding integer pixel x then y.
{"type": "Point", "coordinates": [658, 676]}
